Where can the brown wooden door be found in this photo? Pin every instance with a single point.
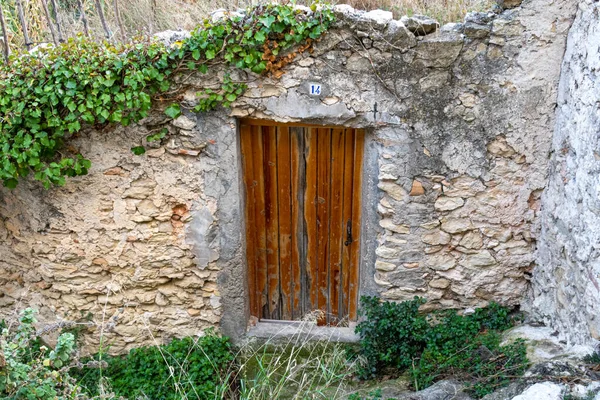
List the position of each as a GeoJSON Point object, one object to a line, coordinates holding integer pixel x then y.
{"type": "Point", "coordinates": [303, 188]}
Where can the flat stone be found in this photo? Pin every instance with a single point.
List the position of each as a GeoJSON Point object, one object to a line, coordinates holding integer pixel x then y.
{"type": "Point", "coordinates": [471, 240]}
{"type": "Point", "coordinates": [441, 283]}
{"type": "Point", "coordinates": [482, 259]}
{"type": "Point", "coordinates": [420, 25]}
{"type": "Point", "coordinates": [380, 17]}
{"type": "Point", "coordinates": [390, 225]}
{"type": "Point", "coordinates": [444, 203]}
{"type": "Point", "coordinates": [440, 262]}
{"type": "Point", "coordinates": [386, 252]}
{"type": "Point", "coordinates": [455, 225]}
{"type": "Point", "coordinates": [436, 238]}
{"type": "Point", "coordinates": [183, 122]}
{"type": "Point", "coordinates": [417, 189]}
{"type": "Point", "coordinates": [394, 190]}
{"type": "Point", "coordinates": [384, 266]}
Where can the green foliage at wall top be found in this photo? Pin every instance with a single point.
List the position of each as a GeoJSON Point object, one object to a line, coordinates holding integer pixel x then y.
{"type": "Point", "coordinates": [47, 95]}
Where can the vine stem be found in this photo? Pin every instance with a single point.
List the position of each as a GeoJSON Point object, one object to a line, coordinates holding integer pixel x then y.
{"type": "Point", "coordinates": [50, 23]}
{"type": "Point", "coordinates": [83, 18]}
{"type": "Point", "coordinates": [102, 19]}
{"type": "Point", "coordinates": [4, 35]}
{"type": "Point", "coordinates": [118, 18]}
{"type": "Point", "coordinates": [23, 24]}
{"type": "Point", "coordinates": [57, 19]}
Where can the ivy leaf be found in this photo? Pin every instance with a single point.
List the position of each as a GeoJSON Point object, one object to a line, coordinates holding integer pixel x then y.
{"type": "Point", "coordinates": [157, 136]}
{"type": "Point", "coordinates": [210, 54]}
{"type": "Point", "coordinates": [173, 111]}
{"type": "Point", "coordinates": [10, 183]}
{"type": "Point", "coordinates": [259, 36]}
{"type": "Point", "coordinates": [138, 150]}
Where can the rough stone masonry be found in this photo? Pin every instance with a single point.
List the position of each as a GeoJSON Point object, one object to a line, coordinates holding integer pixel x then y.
{"type": "Point", "coordinates": [459, 123]}
{"type": "Point", "coordinates": [566, 281]}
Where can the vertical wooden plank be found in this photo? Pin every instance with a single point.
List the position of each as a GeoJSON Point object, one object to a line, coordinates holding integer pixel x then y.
{"type": "Point", "coordinates": [250, 214]}
{"type": "Point", "coordinates": [347, 217]}
{"type": "Point", "coordinates": [284, 187]}
{"type": "Point", "coordinates": [297, 177]}
{"type": "Point", "coordinates": [359, 144]}
{"type": "Point", "coordinates": [323, 203]}
{"type": "Point", "coordinates": [259, 220]}
{"type": "Point", "coordinates": [272, 219]}
{"type": "Point", "coordinates": [337, 226]}
{"type": "Point", "coordinates": [310, 216]}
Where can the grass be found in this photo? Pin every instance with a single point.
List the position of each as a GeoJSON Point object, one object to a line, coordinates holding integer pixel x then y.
{"type": "Point", "coordinates": [146, 17]}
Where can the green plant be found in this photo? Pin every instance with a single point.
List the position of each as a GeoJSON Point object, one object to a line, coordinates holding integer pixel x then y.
{"type": "Point", "coordinates": [184, 368]}
{"type": "Point", "coordinates": [592, 358]}
{"type": "Point", "coordinates": [391, 334]}
{"type": "Point", "coordinates": [443, 344]}
{"type": "Point", "coordinates": [47, 96]}
{"type": "Point", "coordinates": [28, 370]}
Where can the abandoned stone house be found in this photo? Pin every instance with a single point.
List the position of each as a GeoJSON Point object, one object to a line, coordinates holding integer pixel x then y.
{"type": "Point", "coordinates": [398, 158]}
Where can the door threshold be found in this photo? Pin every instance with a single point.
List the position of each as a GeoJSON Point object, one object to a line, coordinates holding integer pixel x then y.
{"type": "Point", "coordinates": [278, 331]}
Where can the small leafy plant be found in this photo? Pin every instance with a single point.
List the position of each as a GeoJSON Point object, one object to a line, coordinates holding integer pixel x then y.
{"type": "Point", "coordinates": [28, 370]}
{"type": "Point", "coordinates": [396, 337]}
{"type": "Point", "coordinates": [184, 368]}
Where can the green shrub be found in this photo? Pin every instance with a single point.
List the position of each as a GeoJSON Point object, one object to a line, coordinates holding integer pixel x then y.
{"type": "Point", "coordinates": [443, 344]}
{"type": "Point", "coordinates": [28, 370]}
{"type": "Point", "coordinates": [391, 335]}
{"type": "Point", "coordinates": [189, 367]}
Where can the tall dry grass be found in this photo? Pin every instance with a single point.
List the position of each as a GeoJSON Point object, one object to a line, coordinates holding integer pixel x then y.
{"type": "Point", "coordinates": [151, 16]}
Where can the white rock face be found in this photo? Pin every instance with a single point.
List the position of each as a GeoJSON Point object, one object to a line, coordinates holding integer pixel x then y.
{"type": "Point", "coordinates": [542, 391]}
{"type": "Point", "coordinates": [566, 281]}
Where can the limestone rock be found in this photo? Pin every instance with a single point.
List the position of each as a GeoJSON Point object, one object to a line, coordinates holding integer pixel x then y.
{"type": "Point", "coordinates": [394, 190]}
{"type": "Point", "coordinates": [481, 259]}
{"type": "Point", "coordinates": [387, 252]}
{"type": "Point", "coordinates": [170, 37]}
{"type": "Point", "coordinates": [420, 25]}
{"type": "Point", "coordinates": [441, 283]}
{"type": "Point", "coordinates": [440, 262]}
{"type": "Point", "coordinates": [438, 51]}
{"type": "Point", "coordinates": [384, 266]}
{"type": "Point", "coordinates": [542, 391]}
{"type": "Point", "coordinates": [398, 36]}
{"type": "Point", "coordinates": [185, 123]}
{"type": "Point", "coordinates": [456, 225]}
{"type": "Point", "coordinates": [436, 238]}
{"type": "Point", "coordinates": [444, 203]}
{"type": "Point", "coordinates": [379, 17]}
{"type": "Point", "coordinates": [471, 240]}
{"type": "Point", "coordinates": [390, 225]}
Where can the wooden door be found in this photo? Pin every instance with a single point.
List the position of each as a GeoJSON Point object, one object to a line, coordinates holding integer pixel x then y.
{"type": "Point", "coordinates": [302, 187]}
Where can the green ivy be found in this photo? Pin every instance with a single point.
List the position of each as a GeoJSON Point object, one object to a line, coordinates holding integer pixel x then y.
{"type": "Point", "coordinates": [48, 95]}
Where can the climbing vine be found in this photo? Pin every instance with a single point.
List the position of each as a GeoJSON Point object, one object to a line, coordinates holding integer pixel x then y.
{"type": "Point", "coordinates": [46, 96]}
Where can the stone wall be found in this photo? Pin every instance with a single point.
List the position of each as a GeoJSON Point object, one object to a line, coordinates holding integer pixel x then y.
{"type": "Point", "coordinates": [566, 284]}
{"type": "Point", "coordinates": [459, 124]}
